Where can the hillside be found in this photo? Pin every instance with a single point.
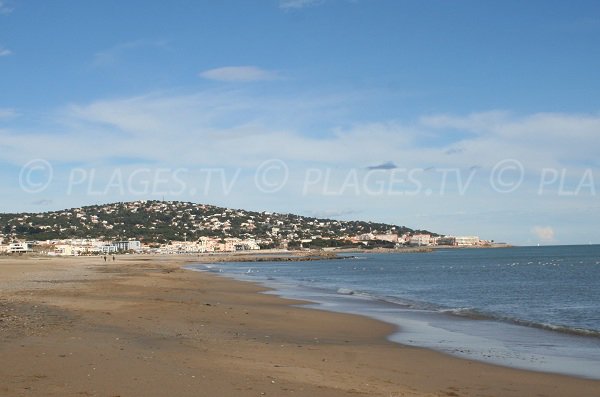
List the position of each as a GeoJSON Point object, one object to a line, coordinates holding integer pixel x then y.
{"type": "Point", "coordinates": [158, 221]}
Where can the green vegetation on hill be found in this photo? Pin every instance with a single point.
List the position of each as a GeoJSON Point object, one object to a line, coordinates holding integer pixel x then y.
{"type": "Point", "coordinates": [158, 221]}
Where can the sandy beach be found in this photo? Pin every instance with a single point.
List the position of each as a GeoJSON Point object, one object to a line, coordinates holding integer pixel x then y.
{"type": "Point", "coordinates": [142, 326]}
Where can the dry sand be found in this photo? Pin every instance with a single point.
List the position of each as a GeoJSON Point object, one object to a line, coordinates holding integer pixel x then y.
{"type": "Point", "coordinates": [144, 327]}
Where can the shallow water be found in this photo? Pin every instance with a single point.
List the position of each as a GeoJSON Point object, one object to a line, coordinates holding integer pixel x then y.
{"type": "Point", "coordinates": [530, 307]}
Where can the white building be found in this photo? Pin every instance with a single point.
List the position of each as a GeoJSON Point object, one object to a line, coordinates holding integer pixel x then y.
{"type": "Point", "coordinates": [366, 237]}
{"type": "Point", "coordinates": [131, 245]}
{"type": "Point", "coordinates": [459, 241]}
{"type": "Point", "coordinates": [62, 250]}
{"type": "Point", "coordinates": [108, 249]}
{"type": "Point", "coordinates": [251, 244]}
{"type": "Point", "coordinates": [446, 240]}
{"type": "Point", "coordinates": [207, 244]}
{"type": "Point", "coordinates": [19, 248]}
{"type": "Point", "coordinates": [463, 241]}
{"type": "Point", "coordinates": [392, 238]}
{"type": "Point", "coordinates": [420, 240]}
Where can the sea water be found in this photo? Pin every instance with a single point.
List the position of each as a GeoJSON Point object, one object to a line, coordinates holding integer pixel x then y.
{"type": "Point", "coordinates": [534, 308]}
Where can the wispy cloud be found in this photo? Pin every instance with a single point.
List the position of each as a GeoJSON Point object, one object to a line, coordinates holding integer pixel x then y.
{"type": "Point", "coordinates": [475, 122]}
{"type": "Point", "coordinates": [5, 8]}
{"type": "Point", "coordinates": [113, 55]}
{"type": "Point", "coordinates": [297, 4]}
{"type": "Point", "coordinates": [453, 150]}
{"type": "Point", "coordinates": [4, 52]}
{"type": "Point", "coordinates": [333, 213]}
{"type": "Point", "coordinates": [541, 140]}
{"type": "Point", "coordinates": [239, 74]}
{"type": "Point", "coordinates": [245, 127]}
{"type": "Point", "coordinates": [7, 113]}
{"type": "Point", "coordinates": [544, 234]}
{"type": "Point", "coordinates": [42, 202]}
{"type": "Point", "coordinates": [227, 128]}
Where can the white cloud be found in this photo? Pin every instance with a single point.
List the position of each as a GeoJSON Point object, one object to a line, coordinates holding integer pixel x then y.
{"type": "Point", "coordinates": [333, 213]}
{"type": "Point", "coordinates": [4, 52]}
{"type": "Point", "coordinates": [232, 129]}
{"type": "Point", "coordinates": [5, 8]}
{"type": "Point", "coordinates": [541, 140]}
{"type": "Point", "coordinates": [7, 113]}
{"type": "Point", "coordinates": [239, 74]}
{"type": "Point", "coordinates": [544, 234]}
{"type": "Point", "coordinates": [297, 4]}
{"type": "Point", "coordinates": [476, 122]}
{"type": "Point", "coordinates": [115, 54]}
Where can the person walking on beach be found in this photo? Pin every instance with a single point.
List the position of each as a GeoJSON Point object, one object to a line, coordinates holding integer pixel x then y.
{"type": "Point", "coordinates": [104, 258]}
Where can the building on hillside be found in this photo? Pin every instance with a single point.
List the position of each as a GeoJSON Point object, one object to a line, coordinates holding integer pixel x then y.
{"type": "Point", "coordinates": [250, 244]}
{"type": "Point", "coordinates": [207, 244]}
{"type": "Point", "coordinates": [446, 240]}
{"type": "Point", "coordinates": [392, 238]}
{"type": "Point", "coordinates": [236, 244]}
{"type": "Point", "coordinates": [232, 244]}
{"type": "Point", "coordinates": [366, 237]}
{"type": "Point", "coordinates": [459, 241]}
{"type": "Point", "coordinates": [131, 245]}
{"type": "Point", "coordinates": [63, 250]}
{"type": "Point", "coordinates": [420, 240]}
{"type": "Point", "coordinates": [182, 247]}
{"type": "Point", "coordinates": [464, 241]}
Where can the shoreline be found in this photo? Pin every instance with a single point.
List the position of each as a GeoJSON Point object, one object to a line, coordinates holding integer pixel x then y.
{"type": "Point", "coordinates": [324, 253]}
{"type": "Point", "coordinates": [427, 329]}
{"type": "Point", "coordinates": [143, 326]}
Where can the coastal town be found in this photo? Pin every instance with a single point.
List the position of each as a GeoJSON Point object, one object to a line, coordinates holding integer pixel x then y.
{"type": "Point", "coordinates": [78, 247]}
{"type": "Point", "coordinates": [158, 227]}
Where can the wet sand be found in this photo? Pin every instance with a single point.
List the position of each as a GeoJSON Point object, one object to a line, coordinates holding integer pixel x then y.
{"type": "Point", "coordinates": [142, 326]}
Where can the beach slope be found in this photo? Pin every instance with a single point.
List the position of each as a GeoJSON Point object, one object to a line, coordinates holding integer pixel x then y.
{"type": "Point", "coordinates": [142, 326]}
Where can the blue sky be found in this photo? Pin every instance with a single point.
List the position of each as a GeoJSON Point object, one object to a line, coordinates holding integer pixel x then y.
{"type": "Point", "coordinates": [462, 117]}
